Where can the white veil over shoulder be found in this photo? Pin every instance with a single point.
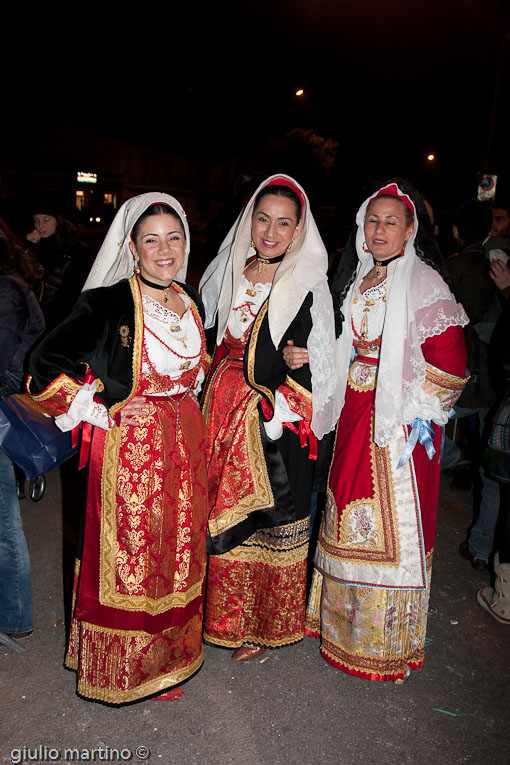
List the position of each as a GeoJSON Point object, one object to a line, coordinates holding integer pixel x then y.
{"type": "Point", "coordinates": [114, 260]}
{"type": "Point", "coordinates": [419, 305]}
{"type": "Point", "coordinates": [302, 270]}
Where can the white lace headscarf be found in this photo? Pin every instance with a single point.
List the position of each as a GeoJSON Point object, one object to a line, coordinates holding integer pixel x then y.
{"type": "Point", "coordinates": [302, 270]}
{"type": "Point", "coordinates": [115, 261]}
{"type": "Point", "coordinates": [419, 304]}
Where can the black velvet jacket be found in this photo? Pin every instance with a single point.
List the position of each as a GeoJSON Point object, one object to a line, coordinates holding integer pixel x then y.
{"type": "Point", "coordinates": [103, 333]}
{"type": "Point", "coordinates": [289, 470]}
{"type": "Point", "coordinates": [264, 365]}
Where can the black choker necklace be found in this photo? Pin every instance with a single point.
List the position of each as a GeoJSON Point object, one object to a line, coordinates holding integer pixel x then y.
{"type": "Point", "coordinates": [380, 264]}
{"type": "Point", "coordinates": [156, 287]}
{"type": "Point", "coordinates": [263, 263]}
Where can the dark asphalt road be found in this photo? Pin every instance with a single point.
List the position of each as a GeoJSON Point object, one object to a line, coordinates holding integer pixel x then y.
{"type": "Point", "coordinates": [292, 708]}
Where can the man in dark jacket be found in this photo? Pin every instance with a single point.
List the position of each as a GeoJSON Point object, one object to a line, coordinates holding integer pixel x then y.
{"type": "Point", "coordinates": [21, 323]}
{"type": "Point", "coordinates": [473, 287]}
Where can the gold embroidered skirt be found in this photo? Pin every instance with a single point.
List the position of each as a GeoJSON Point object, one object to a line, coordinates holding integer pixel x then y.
{"type": "Point", "coordinates": [256, 593]}
{"type": "Point", "coordinates": [371, 584]}
{"type": "Point", "coordinates": [137, 620]}
{"type": "Point", "coordinates": [370, 632]}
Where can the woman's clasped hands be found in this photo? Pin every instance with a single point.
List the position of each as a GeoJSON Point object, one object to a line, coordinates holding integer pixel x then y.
{"type": "Point", "coordinates": [294, 357]}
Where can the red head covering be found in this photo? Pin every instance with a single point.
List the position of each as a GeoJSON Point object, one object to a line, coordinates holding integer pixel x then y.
{"type": "Point", "coordinates": [393, 190]}
{"type": "Point", "coordinates": [285, 182]}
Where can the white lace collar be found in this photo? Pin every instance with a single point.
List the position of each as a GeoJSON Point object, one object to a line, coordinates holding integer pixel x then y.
{"type": "Point", "coordinates": [155, 310]}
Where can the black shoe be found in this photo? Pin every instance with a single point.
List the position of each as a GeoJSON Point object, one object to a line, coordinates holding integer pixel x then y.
{"type": "Point", "coordinates": [19, 635]}
{"type": "Point", "coordinates": [478, 563]}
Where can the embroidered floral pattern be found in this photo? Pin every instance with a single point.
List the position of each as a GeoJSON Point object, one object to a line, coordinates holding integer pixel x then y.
{"type": "Point", "coordinates": [359, 525]}
{"type": "Point", "coordinates": [368, 632]}
{"type": "Point", "coordinates": [157, 493]}
{"type": "Point", "coordinates": [445, 387]}
{"type": "Point", "coordinates": [362, 377]}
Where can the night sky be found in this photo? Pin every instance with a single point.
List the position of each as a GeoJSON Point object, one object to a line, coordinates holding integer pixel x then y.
{"type": "Point", "coordinates": [389, 82]}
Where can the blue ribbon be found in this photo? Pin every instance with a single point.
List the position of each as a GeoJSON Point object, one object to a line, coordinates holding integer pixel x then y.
{"type": "Point", "coordinates": [421, 430]}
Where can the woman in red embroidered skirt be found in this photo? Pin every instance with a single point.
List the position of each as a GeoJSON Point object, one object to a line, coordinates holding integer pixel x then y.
{"type": "Point", "coordinates": [401, 363]}
{"type": "Point", "coordinates": [263, 420]}
{"type": "Point", "coordinates": [129, 361]}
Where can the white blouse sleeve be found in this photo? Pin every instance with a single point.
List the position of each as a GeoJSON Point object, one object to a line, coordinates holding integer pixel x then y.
{"type": "Point", "coordinates": [282, 413]}
{"type": "Point", "coordinates": [84, 409]}
{"type": "Point", "coordinates": [437, 395]}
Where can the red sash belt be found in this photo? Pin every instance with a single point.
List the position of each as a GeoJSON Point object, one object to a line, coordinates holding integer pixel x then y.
{"type": "Point", "coordinates": [367, 360]}
{"type": "Point", "coordinates": [303, 430]}
{"type": "Point", "coordinates": [304, 434]}
{"type": "Point", "coordinates": [86, 432]}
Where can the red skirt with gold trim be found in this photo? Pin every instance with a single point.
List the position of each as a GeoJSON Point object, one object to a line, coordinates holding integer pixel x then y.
{"type": "Point", "coordinates": [137, 620]}
{"type": "Point", "coordinates": [256, 592]}
{"type": "Point", "coordinates": [375, 632]}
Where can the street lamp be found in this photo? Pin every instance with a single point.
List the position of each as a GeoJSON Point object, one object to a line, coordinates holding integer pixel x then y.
{"type": "Point", "coordinates": [299, 92]}
{"type": "Point", "coordinates": [431, 157]}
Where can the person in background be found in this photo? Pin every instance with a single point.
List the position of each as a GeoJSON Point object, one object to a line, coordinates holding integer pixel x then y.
{"type": "Point", "coordinates": [21, 323]}
{"type": "Point", "coordinates": [496, 600]}
{"type": "Point", "coordinates": [500, 209]}
{"type": "Point", "coordinates": [66, 261]}
{"type": "Point", "coordinates": [469, 270]}
{"type": "Point", "coordinates": [497, 245]}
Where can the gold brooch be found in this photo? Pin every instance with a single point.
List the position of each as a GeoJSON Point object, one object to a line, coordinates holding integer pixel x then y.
{"type": "Point", "coordinates": [125, 337]}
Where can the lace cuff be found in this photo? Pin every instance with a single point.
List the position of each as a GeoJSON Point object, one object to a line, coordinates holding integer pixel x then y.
{"type": "Point", "coordinates": [438, 394]}
{"type": "Point", "coordinates": [282, 413]}
{"type": "Point", "coordinates": [99, 416]}
{"type": "Point", "coordinates": [83, 408]}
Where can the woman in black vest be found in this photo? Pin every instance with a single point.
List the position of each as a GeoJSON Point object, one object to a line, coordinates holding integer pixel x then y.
{"type": "Point", "coordinates": [129, 361]}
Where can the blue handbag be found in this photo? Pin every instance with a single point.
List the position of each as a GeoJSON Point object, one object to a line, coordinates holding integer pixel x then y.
{"type": "Point", "coordinates": [30, 437]}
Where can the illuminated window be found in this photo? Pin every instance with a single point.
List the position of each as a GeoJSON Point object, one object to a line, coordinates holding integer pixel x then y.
{"type": "Point", "coordinates": [86, 177]}
{"type": "Point", "coordinates": [110, 199]}
{"type": "Point", "coordinates": [80, 200]}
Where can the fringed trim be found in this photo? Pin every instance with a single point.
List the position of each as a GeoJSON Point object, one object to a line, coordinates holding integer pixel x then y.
{"type": "Point", "coordinates": [386, 677]}
{"type": "Point", "coordinates": [289, 640]}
